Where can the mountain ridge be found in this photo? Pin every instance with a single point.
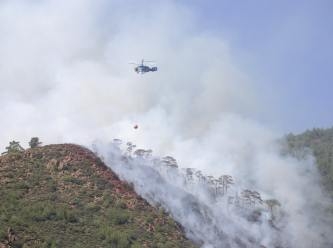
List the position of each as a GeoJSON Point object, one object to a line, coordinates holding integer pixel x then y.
{"type": "Point", "coordinates": [65, 196]}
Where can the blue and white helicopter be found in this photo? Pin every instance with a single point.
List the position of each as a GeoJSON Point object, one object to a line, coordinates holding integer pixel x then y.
{"type": "Point", "coordinates": [144, 68]}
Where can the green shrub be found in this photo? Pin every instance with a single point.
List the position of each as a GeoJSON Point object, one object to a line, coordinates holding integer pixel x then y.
{"type": "Point", "coordinates": [15, 220]}
{"type": "Point", "coordinates": [74, 180]}
{"type": "Point", "coordinates": [118, 216]}
{"type": "Point", "coordinates": [100, 183]}
{"type": "Point", "coordinates": [3, 233]}
{"type": "Point", "coordinates": [121, 219]}
{"type": "Point", "coordinates": [115, 238]}
{"type": "Point", "coordinates": [92, 207]}
{"type": "Point", "coordinates": [120, 204]}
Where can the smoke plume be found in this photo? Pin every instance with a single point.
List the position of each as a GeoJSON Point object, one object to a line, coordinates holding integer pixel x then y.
{"type": "Point", "coordinates": [65, 77]}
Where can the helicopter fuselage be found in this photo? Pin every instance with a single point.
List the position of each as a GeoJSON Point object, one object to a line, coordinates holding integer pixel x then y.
{"type": "Point", "coordinates": [141, 69]}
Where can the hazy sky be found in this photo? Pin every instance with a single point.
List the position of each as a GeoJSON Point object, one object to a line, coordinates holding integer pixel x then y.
{"type": "Point", "coordinates": [232, 79]}
{"type": "Point", "coordinates": [287, 47]}
{"type": "Point", "coordinates": [65, 63]}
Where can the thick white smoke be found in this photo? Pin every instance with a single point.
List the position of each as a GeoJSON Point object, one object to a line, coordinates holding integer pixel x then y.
{"type": "Point", "coordinates": [65, 77]}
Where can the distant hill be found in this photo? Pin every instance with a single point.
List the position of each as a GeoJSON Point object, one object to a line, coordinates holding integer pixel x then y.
{"type": "Point", "coordinates": [320, 143]}
{"type": "Point", "coordinates": [64, 196]}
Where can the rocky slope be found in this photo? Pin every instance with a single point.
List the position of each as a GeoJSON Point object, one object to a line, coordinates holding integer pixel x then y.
{"type": "Point", "coordinates": [64, 196]}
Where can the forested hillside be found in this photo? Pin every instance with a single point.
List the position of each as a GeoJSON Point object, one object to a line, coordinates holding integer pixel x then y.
{"type": "Point", "coordinates": [319, 142]}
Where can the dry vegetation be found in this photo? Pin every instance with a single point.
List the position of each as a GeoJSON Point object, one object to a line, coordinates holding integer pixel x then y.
{"type": "Point", "coordinates": [64, 196]}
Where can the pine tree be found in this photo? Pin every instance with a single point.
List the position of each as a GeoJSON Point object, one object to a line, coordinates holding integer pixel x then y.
{"type": "Point", "coordinates": [14, 146]}
{"type": "Point", "coordinates": [34, 142]}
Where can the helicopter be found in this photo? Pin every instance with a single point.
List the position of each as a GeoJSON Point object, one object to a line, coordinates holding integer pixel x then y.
{"type": "Point", "coordinates": [143, 68]}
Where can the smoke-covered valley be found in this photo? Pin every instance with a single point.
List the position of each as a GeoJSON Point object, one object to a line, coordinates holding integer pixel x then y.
{"type": "Point", "coordinates": [65, 77]}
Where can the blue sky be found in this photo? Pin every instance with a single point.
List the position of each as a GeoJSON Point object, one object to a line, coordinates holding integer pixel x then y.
{"type": "Point", "coordinates": [287, 47]}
